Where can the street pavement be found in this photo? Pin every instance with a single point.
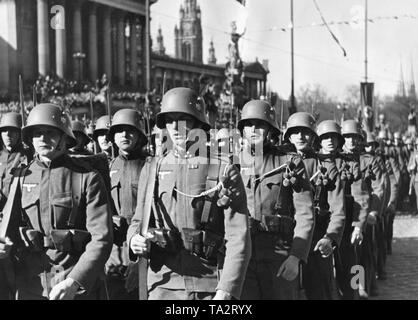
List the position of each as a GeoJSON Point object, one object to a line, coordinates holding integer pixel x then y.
{"type": "Point", "coordinates": [402, 265]}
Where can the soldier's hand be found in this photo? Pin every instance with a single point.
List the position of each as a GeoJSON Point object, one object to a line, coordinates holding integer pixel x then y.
{"type": "Point", "coordinates": [141, 245]}
{"type": "Point", "coordinates": [324, 246]}
{"type": "Point", "coordinates": [222, 295]}
{"type": "Point", "coordinates": [64, 290]}
{"type": "Point", "coordinates": [131, 274]}
{"type": "Point", "coordinates": [5, 248]}
{"type": "Point", "coordinates": [372, 218]}
{"type": "Point", "coordinates": [289, 268]}
{"type": "Point", "coordinates": [356, 236]}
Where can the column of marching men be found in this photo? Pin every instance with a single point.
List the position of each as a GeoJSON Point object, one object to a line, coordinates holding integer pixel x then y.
{"type": "Point", "coordinates": [242, 217]}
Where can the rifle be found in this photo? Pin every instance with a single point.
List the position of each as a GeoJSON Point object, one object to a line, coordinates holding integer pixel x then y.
{"type": "Point", "coordinates": [109, 113]}
{"type": "Point", "coordinates": [91, 123]}
{"type": "Point", "coordinates": [150, 147]}
{"type": "Point", "coordinates": [21, 100]}
{"type": "Point", "coordinates": [34, 95]}
{"type": "Point", "coordinates": [164, 82]}
{"type": "Point", "coordinates": [411, 183]}
{"type": "Point", "coordinates": [14, 194]}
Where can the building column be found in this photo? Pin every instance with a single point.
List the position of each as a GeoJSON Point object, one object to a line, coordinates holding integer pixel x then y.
{"type": "Point", "coordinates": [107, 41]}
{"type": "Point", "coordinates": [60, 46]}
{"type": "Point", "coordinates": [77, 40]}
{"type": "Point", "coordinates": [120, 27]}
{"type": "Point", "coordinates": [134, 52]}
{"type": "Point", "coordinates": [43, 38]}
{"type": "Point", "coordinates": [92, 43]}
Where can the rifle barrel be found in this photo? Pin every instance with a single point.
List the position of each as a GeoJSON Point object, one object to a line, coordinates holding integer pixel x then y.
{"type": "Point", "coordinates": [21, 100]}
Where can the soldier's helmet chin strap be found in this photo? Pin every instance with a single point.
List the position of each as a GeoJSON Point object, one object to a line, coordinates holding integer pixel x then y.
{"type": "Point", "coordinates": [58, 148]}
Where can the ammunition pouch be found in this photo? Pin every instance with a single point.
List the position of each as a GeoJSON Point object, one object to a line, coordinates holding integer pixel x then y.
{"type": "Point", "coordinates": [281, 227]}
{"type": "Point", "coordinates": [204, 244]}
{"type": "Point", "coordinates": [120, 229]}
{"type": "Point", "coordinates": [193, 240]}
{"type": "Point", "coordinates": [61, 240]}
{"type": "Point", "coordinates": [66, 240]}
{"type": "Point", "coordinates": [168, 240]}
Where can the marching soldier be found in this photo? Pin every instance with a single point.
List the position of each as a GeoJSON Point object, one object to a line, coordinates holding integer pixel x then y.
{"type": "Point", "coordinates": [402, 160]}
{"type": "Point", "coordinates": [412, 169]}
{"type": "Point", "coordinates": [376, 182]}
{"type": "Point", "coordinates": [356, 204]}
{"type": "Point", "coordinates": [280, 207]}
{"type": "Point", "coordinates": [100, 136]}
{"type": "Point", "coordinates": [328, 190]}
{"type": "Point", "coordinates": [63, 236]}
{"type": "Point", "coordinates": [126, 133]}
{"type": "Point", "coordinates": [82, 139]}
{"type": "Point", "coordinates": [197, 212]}
{"type": "Point", "coordinates": [393, 170]}
{"type": "Point", "coordinates": [12, 155]}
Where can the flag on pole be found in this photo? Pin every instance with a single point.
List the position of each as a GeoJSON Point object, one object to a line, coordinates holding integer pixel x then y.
{"type": "Point", "coordinates": [243, 2]}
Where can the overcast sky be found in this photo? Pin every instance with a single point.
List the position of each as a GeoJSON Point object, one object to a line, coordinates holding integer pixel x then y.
{"type": "Point", "coordinates": [318, 59]}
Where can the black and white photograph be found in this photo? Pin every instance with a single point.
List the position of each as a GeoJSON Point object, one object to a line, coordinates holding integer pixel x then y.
{"type": "Point", "coordinates": [239, 150]}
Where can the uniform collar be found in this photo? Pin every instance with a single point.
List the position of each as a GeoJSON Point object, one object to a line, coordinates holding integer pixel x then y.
{"type": "Point", "coordinates": [58, 162]}
{"type": "Point", "coordinates": [136, 154]}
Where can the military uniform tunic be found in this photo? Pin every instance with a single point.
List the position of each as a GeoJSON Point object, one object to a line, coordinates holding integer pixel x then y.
{"type": "Point", "coordinates": [261, 281]}
{"type": "Point", "coordinates": [124, 175]}
{"type": "Point", "coordinates": [356, 202]}
{"type": "Point", "coordinates": [8, 161]}
{"type": "Point", "coordinates": [47, 204]}
{"type": "Point", "coordinates": [319, 281]}
{"type": "Point", "coordinates": [181, 270]}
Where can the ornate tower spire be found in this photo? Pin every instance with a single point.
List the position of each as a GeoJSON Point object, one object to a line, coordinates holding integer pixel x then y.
{"type": "Point", "coordinates": [412, 92]}
{"type": "Point", "coordinates": [212, 57]}
{"type": "Point", "coordinates": [401, 84]}
{"type": "Point", "coordinates": [160, 42]}
{"type": "Point", "coordinates": [188, 36]}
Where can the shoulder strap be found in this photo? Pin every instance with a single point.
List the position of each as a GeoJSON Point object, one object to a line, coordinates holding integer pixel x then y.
{"type": "Point", "coordinates": [211, 182]}
{"type": "Point", "coordinates": [76, 190]}
{"type": "Point", "coordinates": [149, 197]}
{"type": "Point", "coordinates": [8, 207]}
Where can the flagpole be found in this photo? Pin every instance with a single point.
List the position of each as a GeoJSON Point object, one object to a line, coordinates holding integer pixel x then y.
{"type": "Point", "coordinates": [292, 92]}
{"type": "Point", "coordinates": [365, 39]}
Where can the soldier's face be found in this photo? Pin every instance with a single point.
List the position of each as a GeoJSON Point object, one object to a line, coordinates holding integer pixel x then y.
{"type": "Point", "coordinates": [126, 138]}
{"type": "Point", "coordinates": [351, 142]}
{"type": "Point", "coordinates": [178, 126]}
{"type": "Point", "coordinates": [255, 132]}
{"type": "Point", "coordinates": [104, 144]}
{"type": "Point", "coordinates": [301, 138]}
{"type": "Point", "coordinates": [329, 143]}
{"type": "Point", "coordinates": [48, 142]}
{"type": "Point", "coordinates": [10, 137]}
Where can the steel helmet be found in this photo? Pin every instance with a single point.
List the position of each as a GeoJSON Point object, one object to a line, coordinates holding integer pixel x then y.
{"type": "Point", "coordinates": [260, 110]}
{"type": "Point", "coordinates": [125, 117]}
{"type": "Point", "coordinates": [102, 126]}
{"type": "Point", "coordinates": [79, 126]}
{"type": "Point", "coordinates": [330, 126]}
{"type": "Point", "coordinates": [382, 135]}
{"type": "Point", "coordinates": [186, 101]}
{"type": "Point", "coordinates": [300, 120]}
{"type": "Point", "coordinates": [48, 114]}
{"type": "Point", "coordinates": [351, 127]}
{"type": "Point", "coordinates": [11, 120]}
